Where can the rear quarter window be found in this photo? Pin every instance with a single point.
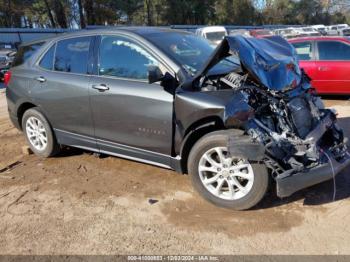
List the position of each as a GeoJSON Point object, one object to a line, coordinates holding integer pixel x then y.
{"type": "Point", "coordinates": [25, 52]}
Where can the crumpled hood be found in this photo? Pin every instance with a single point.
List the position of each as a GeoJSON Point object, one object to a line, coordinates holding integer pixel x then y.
{"type": "Point", "coordinates": [272, 62]}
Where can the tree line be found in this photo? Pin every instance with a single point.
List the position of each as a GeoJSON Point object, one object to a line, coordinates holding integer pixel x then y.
{"type": "Point", "coordinates": [80, 13]}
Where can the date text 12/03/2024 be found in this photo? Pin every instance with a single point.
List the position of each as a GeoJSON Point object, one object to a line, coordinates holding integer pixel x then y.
{"type": "Point", "coordinates": [173, 258]}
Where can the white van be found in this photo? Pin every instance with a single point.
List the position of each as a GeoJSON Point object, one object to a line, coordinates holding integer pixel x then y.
{"type": "Point", "coordinates": [335, 29]}
{"type": "Point", "coordinates": [320, 28]}
{"type": "Point", "coordinates": [214, 34]}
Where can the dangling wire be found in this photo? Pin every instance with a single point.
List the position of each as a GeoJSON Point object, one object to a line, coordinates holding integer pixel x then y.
{"type": "Point", "coordinates": [334, 183]}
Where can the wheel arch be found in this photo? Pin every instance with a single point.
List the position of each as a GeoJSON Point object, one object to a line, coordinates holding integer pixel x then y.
{"type": "Point", "coordinates": [196, 131]}
{"type": "Point", "coordinates": [22, 109]}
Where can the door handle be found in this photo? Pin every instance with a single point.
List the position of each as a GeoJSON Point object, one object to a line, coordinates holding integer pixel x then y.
{"type": "Point", "coordinates": [100, 87]}
{"type": "Point", "coordinates": [41, 79]}
{"type": "Point", "coordinates": [323, 68]}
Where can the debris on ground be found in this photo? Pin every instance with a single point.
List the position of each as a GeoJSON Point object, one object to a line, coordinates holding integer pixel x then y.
{"type": "Point", "coordinates": [10, 166]}
{"type": "Point", "coordinates": [152, 201]}
{"type": "Point", "coordinates": [26, 150]}
{"type": "Point", "coordinates": [81, 167]}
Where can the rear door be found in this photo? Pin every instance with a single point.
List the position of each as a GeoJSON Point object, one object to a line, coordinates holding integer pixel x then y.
{"type": "Point", "coordinates": [333, 67]}
{"type": "Point", "coordinates": [20, 73]}
{"type": "Point", "coordinates": [131, 116]}
{"type": "Point", "coordinates": [60, 88]}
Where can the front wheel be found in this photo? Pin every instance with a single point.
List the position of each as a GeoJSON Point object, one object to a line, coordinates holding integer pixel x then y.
{"type": "Point", "coordinates": [227, 181]}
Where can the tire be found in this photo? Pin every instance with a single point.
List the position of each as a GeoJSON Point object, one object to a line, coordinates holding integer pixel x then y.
{"type": "Point", "coordinates": [251, 189]}
{"type": "Point", "coordinates": [34, 118]}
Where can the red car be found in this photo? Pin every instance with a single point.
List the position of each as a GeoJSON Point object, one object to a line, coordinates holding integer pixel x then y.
{"type": "Point", "coordinates": [260, 33]}
{"type": "Point", "coordinates": [327, 61]}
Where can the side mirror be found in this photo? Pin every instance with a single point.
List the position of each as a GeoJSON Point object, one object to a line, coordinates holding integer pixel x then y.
{"type": "Point", "coordinates": [154, 74]}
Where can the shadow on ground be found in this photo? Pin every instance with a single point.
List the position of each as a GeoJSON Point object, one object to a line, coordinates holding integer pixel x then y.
{"type": "Point", "coordinates": [317, 195]}
{"type": "Point", "coordinates": [335, 97]}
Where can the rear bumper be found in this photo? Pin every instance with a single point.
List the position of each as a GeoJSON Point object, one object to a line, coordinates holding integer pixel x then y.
{"type": "Point", "coordinates": [287, 185]}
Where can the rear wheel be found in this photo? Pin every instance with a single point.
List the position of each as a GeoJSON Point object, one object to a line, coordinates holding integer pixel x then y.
{"type": "Point", "coordinates": [38, 133]}
{"type": "Point", "coordinates": [227, 181]}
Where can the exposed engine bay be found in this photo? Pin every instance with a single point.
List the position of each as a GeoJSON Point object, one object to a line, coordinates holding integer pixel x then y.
{"type": "Point", "coordinates": [294, 130]}
{"type": "Point", "coordinates": [289, 128]}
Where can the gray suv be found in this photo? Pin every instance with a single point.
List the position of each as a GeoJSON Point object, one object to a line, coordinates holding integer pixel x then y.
{"type": "Point", "coordinates": [233, 118]}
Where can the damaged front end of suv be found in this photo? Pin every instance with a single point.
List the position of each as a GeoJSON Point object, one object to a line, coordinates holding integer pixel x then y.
{"type": "Point", "coordinates": [287, 127]}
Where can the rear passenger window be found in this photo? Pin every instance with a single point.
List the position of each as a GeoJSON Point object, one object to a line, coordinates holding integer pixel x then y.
{"type": "Point", "coordinates": [47, 60]}
{"type": "Point", "coordinates": [332, 50]}
{"type": "Point", "coordinates": [25, 52]}
{"type": "Point", "coordinates": [72, 55]}
{"type": "Point", "coordinates": [304, 50]}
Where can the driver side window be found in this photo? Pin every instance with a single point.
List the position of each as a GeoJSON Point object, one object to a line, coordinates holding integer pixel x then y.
{"type": "Point", "coordinates": [123, 58]}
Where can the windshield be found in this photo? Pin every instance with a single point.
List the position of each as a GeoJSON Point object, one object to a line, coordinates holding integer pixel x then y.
{"type": "Point", "coordinates": [215, 36]}
{"type": "Point", "coordinates": [189, 51]}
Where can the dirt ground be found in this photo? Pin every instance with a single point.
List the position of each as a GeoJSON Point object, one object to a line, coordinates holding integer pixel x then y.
{"type": "Point", "coordinates": [77, 203]}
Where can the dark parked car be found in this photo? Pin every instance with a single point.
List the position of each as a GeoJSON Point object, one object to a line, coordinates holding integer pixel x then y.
{"type": "Point", "coordinates": [7, 53]}
{"type": "Point", "coordinates": [232, 119]}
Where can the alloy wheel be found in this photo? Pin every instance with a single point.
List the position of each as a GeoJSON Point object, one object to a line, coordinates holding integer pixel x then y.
{"type": "Point", "coordinates": [36, 133]}
{"type": "Point", "coordinates": [226, 177]}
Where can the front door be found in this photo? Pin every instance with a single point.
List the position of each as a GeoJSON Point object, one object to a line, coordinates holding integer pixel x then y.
{"type": "Point", "coordinates": [131, 116]}
{"type": "Point", "coordinates": [306, 56]}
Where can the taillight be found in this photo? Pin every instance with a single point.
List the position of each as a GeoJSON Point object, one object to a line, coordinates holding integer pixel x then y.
{"type": "Point", "coordinates": [7, 77]}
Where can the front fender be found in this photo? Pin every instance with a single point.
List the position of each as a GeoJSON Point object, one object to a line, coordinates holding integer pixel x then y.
{"type": "Point", "coordinates": [230, 106]}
